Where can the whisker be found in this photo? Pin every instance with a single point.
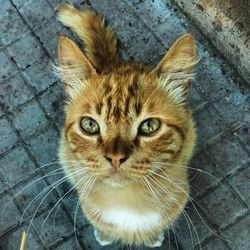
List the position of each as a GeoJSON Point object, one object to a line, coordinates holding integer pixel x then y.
{"type": "Point", "coordinates": [87, 186]}
{"type": "Point", "coordinates": [57, 203]}
{"type": "Point", "coordinates": [192, 202]}
{"type": "Point", "coordinates": [186, 216]}
{"type": "Point", "coordinates": [42, 177]}
{"type": "Point", "coordinates": [52, 173]}
{"type": "Point", "coordinates": [187, 167]}
{"type": "Point", "coordinates": [59, 162]}
{"type": "Point", "coordinates": [160, 206]}
{"type": "Point", "coordinates": [42, 192]}
{"type": "Point", "coordinates": [57, 184]}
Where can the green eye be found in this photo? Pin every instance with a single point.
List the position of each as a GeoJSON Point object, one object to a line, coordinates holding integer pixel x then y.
{"type": "Point", "coordinates": [149, 126]}
{"type": "Point", "coordinates": [89, 125]}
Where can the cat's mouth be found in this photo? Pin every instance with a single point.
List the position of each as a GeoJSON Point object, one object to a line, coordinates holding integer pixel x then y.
{"type": "Point", "coordinates": [117, 179]}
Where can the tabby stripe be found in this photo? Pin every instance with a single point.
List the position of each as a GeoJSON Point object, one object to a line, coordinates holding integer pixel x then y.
{"type": "Point", "coordinates": [169, 151]}
{"type": "Point", "coordinates": [178, 130]}
{"type": "Point", "coordinates": [98, 108]}
{"type": "Point", "coordinates": [67, 129]}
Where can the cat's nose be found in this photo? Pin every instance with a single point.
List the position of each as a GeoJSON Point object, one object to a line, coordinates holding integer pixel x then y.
{"type": "Point", "coordinates": [116, 159]}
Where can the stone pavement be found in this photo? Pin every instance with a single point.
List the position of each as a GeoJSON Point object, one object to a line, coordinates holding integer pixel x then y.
{"type": "Point", "coordinates": [31, 116]}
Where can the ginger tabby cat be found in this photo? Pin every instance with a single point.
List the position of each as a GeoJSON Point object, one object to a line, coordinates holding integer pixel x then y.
{"type": "Point", "coordinates": [128, 134]}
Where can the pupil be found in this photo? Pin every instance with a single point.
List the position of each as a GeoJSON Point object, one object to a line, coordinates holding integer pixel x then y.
{"type": "Point", "coordinates": [148, 125]}
{"type": "Point", "coordinates": [90, 123]}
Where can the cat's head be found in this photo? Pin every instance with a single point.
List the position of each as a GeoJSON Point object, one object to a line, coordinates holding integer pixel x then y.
{"type": "Point", "coordinates": [131, 120]}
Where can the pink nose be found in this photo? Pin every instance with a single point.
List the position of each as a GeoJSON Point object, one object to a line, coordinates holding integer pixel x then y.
{"type": "Point", "coordinates": [116, 159]}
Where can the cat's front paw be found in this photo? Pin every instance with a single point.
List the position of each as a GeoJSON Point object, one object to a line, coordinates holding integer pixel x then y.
{"type": "Point", "coordinates": [102, 239]}
{"type": "Point", "coordinates": [158, 241]}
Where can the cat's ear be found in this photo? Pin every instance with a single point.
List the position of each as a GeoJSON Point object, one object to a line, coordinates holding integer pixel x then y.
{"type": "Point", "coordinates": [176, 68]}
{"type": "Point", "coordinates": [75, 68]}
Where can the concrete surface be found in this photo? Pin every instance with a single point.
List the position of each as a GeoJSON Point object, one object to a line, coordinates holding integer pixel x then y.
{"type": "Point", "coordinates": [31, 116]}
{"type": "Point", "coordinates": [227, 25]}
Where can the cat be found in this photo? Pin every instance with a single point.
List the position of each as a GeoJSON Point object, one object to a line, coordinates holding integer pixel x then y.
{"type": "Point", "coordinates": [128, 133]}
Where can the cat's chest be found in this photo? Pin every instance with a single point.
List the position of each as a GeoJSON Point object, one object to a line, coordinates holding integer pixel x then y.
{"type": "Point", "coordinates": [129, 219]}
{"type": "Point", "coordinates": [128, 209]}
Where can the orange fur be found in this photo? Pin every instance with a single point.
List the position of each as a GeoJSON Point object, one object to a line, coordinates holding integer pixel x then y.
{"type": "Point", "coordinates": [119, 96]}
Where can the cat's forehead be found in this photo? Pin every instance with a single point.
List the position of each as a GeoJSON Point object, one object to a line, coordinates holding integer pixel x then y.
{"type": "Point", "coordinates": [121, 96]}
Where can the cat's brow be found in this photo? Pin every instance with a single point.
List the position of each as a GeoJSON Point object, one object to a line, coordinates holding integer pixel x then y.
{"type": "Point", "coordinates": [122, 96]}
{"type": "Point", "coordinates": [178, 130]}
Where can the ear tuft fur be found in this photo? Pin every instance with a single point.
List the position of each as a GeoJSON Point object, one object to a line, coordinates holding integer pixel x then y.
{"type": "Point", "coordinates": [74, 68]}
{"type": "Point", "coordinates": [175, 70]}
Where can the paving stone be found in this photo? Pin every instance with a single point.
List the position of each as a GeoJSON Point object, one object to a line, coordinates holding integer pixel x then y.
{"type": "Point", "coordinates": [71, 243]}
{"type": "Point", "coordinates": [53, 101]}
{"type": "Point", "coordinates": [92, 244]}
{"type": "Point", "coordinates": [192, 228]}
{"type": "Point", "coordinates": [12, 26]}
{"type": "Point", "coordinates": [19, 3]}
{"type": "Point", "coordinates": [58, 180]}
{"type": "Point", "coordinates": [8, 68]}
{"type": "Point", "coordinates": [14, 92]}
{"type": "Point", "coordinates": [195, 99]}
{"type": "Point", "coordinates": [234, 102]}
{"type": "Point", "coordinates": [56, 3]}
{"type": "Point", "coordinates": [9, 213]}
{"type": "Point", "coordinates": [1, 112]}
{"type": "Point", "coordinates": [68, 194]}
{"type": "Point", "coordinates": [49, 36]}
{"type": "Point", "coordinates": [22, 167]}
{"type": "Point", "coordinates": [222, 205]}
{"type": "Point", "coordinates": [34, 196]}
{"type": "Point", "coordinates": [161, 20]}
{"type": "Point", "coordinates": [208, 125]}
{"type": "Point", "coordinates": [241, 183]}
{"type": "Point", "coordinates": [244, 135]}
{"type": "Point", "coordinates": [205, 178]}
{"type": "Point", "coordinates": [56, 225]}
{"type": "Point", "coordinates": [44, 147]}
{"type": "Point", "coordinates": [227, 154]}
{"type": "Point", "coordinates": [214, 243]}
{"type": "Point", "coordinates": [10, 242]}
{"type": "Point", "coordinates": [33, 13]}
{"type": "Point", "coordinates": [40, 76]}
{"type": "Point", "coordinates": [166, 245]}
{"type": "Point", "coordinates": [77, 216]}
{"type": "Point", "coordinates": [5, 7]}
{"type": "Point", "coordinates": [1, 187]}
{"type": "Point", "coordinates": [27, 51]}
{"type": "Point", "coordinates": [8, 138]}
{"type": "Point", "coordinates": [29, 119]}
{"type": "Point", "coordinates": [209, 78]}
{"type": "Point", "coordinates": [238, 234]}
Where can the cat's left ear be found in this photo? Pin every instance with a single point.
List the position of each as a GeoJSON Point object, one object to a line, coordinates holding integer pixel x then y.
{"type": "Point", "coordinates": [75, 68]}
{"type": "Point", "coordinates": [175, 70]}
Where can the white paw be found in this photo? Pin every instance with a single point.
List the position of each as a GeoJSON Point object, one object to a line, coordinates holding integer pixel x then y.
{"type": "Point", "coordinates": [158, 242]}
{"type": "Point", "coordinates": [100, 241]}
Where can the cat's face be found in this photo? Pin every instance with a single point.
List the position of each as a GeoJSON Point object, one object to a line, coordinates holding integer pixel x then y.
{"type": "Point", "coordinates": [126, 123]}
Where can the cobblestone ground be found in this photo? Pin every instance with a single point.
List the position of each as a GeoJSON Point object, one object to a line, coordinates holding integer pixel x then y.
{"type": "Point", "coordinates": [31, 116]}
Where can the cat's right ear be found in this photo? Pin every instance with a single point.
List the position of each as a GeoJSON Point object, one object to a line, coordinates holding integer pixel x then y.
{"type": "Point", "coordinates": [175, 70]}
{"type": "Point", "coordinates": [75, 68]}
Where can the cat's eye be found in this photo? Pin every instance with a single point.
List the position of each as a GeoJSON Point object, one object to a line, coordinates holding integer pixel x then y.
{"type": "Point", "coordinates": [89, 125]}
{"type": "Point", "coordinates": [149, 126]}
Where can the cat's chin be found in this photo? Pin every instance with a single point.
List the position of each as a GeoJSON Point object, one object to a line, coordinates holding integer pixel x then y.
{"type": "Point", "coordinates": [117, 181]}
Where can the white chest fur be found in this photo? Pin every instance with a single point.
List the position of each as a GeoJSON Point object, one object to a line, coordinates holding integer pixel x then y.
{"type": "Point", "coordinates": [128, 219]}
